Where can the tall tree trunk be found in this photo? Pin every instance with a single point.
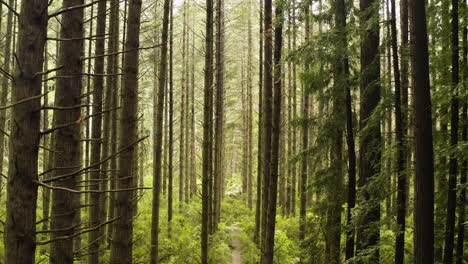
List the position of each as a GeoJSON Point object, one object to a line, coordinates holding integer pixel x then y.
{"type": "Point", "coordinates": [20, 224]}
{"type": "Point", "coordinates": [305, 140]}
{"type": "Point", "coordinates": [370, 142]}
{"type": "Point", "coordinates": [171, 122]}
{"type": "Point", "coordinates": [109, 123]}
{"type": "Point", "coordinates": [207, 134]}
{"type": "Point", "coordinates": [159, 136]}
{"type": "Point", "coordinates": [182, 155]}
{"type": "Point", "coordinates": [94, 239]}
{"type": "Point", "coordinates": [453, 162]}
{"type": "Point", "coordinates": [67, 140]}
{"type": "Point", "coordinates": [464, 167]}
{"type": "Point", "coordinates": [122, 239]}
{"type": "Point", "coordinates": [258, 204]}
{"type": "Point", "coordinates": [249, 110]}
{"type": "Point", "coordinates": [424, 155]}
{"type": "Point", "coordinates": [351, 194]}
{"type": "Point", "coordinates": [4, 88]}
{"type": "Point", "coordinates": [401, 153]}
{"type": "Point", "coordinates": [219, 113]}
{"type": "Point", "coordinates": [272, 102]}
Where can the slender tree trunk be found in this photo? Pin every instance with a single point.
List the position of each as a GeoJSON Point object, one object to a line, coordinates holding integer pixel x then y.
{"type": "Point", "coordinates": [401, 153]}
{"type": "Point", "coordinates": [182, 155]}
{"type": "Point", "coordinates": [305, 142]}
{"type": "Point", "coordinates": [65, 204]}
{"type": "Point", "coordinates": [272, 102]}
{"type": "Point", "coordinates": [219, 113]}
{"type": "Point", "coordinates": [4, 88]}
{"type": "Point", "coordinates": [464, 167]}
{"type": "Point", "coordinates": [159, 135]}
{"type": "Point", "coordinates": [370, 143]}
{"type": "Point", "coordinates": [20, 224]}
{"type": "Point", "coordinates": [351, 195]}
{"type": "Point", "coordinates": [171, 123]}
{"type": "Point", "coordinates": [207, 126]}
{"type": "Point", "coordinates": [122, 239]}
{"type": "Point", "coordinates": [259, 196]}
{"type": "Point", "coordinates": [294, 109]}
{"type": "Point", "coordinates": [424, 155]}
{"type": "Point", "coordinates": [249, 110]}
{"type": "Point", "coordinates": [94, 239]}
{"type": "Point", "coordinates": [109, 125]}
{"type": "Point", "coordinates": [453, 162]}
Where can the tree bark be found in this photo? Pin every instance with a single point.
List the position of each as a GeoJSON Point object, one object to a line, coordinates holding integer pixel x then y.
{"type": "Point", "coordinates": [370, 142]}
{"type": "Point", "coordinates": [207, 134]}
{"type": "Point", "coordinates": [453, 162]}
{"type": "Point", "coordinates": [94, 239]}
{"type": "Point", "coordinates": [122, 239]}
{"type": "Point", "coordinates": [219, 113]}
{"type": "Point", "coordinates": [159, 136]}
{"type": "Point", "coordinates": [305, 140]}
{"type": "Point", "coordinates": [272, 102]}
{"type": "Point", "coordinates": [65, 205]}
{"type": "Point", "coordinates": [20, 224]}
{"type": "Point", "coordinates": [424, 155]}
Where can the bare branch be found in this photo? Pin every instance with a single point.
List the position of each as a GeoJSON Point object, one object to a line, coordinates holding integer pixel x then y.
{"type": "Point", "coordinates": [68, 175]}
{"type": "Point", "coordinates": [48, 107]}
{"type": "Point", "coordinates": [77, 234]}
{"type": "Point", "coordinates": [120, 52]}
{"type": "Point", "coordinates": [9, 8]}
{"type": "Point", "coordinates": [49, 71]}
{"type": "Point", "coordinates": [23, 101]}
{"type": "Point", "coordinates": [89, 191]}
{"type": "Point", "coordinates": [68, 9]}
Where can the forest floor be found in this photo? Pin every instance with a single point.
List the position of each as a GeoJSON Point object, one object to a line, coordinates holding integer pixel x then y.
{"type": "Point", "coordinates": [236, 247]}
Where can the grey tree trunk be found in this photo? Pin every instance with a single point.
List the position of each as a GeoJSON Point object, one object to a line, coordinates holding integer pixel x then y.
{"type": "Point", "coordinates": [20, 224]}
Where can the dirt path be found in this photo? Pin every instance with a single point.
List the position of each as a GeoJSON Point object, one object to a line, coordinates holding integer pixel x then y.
{"type": "Point", "coordinates": [236, 247]}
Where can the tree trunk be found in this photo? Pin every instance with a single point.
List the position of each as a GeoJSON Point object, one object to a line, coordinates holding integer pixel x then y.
{"type": "Point", "coordinates": [65, 205]}
{"type": "Point", "coordinates": [207, 134]}
{"type": "Point", "coordinates": [305, 141]}
{"type": "Point", "coordinates": [94, 239]}
{"type": "Point", "coordinates": [219, 113]}
{"type": "Point", "coordinates": [273, 103]}
{"type": "Point", "coordinates": [109, 123]}
{"type": "Point", "coordinates": [464, 167]}
{"type": "Point", "coordinates": [159, 136]}
{"type": "Point", "coordinates": [401, 153]}
{"type": "Point", "coordinates": [122, 239]}
{"type": "Point", "coordinates": [370, 143]}
{"type": "Point", "coordinates": [171, 123]}
{"type": "Point", "coordinates": [20, 224]}
{"type": "Point", "coordinates": [424, 156]}
{"type": "Point", "coordinates": [260, 151]}
{"type": "Point", "coordinates": [453, 162]}
{"type": "Point", "coordinates": [4, 88]}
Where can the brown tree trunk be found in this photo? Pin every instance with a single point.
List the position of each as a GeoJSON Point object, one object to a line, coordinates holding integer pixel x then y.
{"type": "Point", "coordinates": [65, 205]}
{"type": "Point", "coordinates": [207, 134]}
{"type": "Point", "coordinates": [122, 238]}
{"type": "Point", "coordinates": [453, 162]}
{"type": "Point", "coordinates": [171, 123]}
{"type": "Point", "coordinates": [159, 136]}
{"type": "Point", "coordinates": [109, 125]}
{"type": "Point", "coordinates": [94, 239]}
{"type": "Point", "coordinates": [4, 88]}
{"type": "Point", "coordinates": [464, 168]}
{"type": "Point", "coordinates": [20, 224]}
{"type": "Point", "coordinates": [219, 114]}
{"type": "Point", "coordinates": [258, 204]}
{"type": "Point", "coordinates": [370, 143]}
{"type": "Point", "coordinates": [305, 141]}
{"type": "Point", "coordinates": [424, 155]}
{"type": "Point", "coordinates": [272, 102]}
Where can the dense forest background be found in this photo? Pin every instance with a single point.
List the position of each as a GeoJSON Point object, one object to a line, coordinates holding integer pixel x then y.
{"type": "Point", "coordinates": [233, 131]}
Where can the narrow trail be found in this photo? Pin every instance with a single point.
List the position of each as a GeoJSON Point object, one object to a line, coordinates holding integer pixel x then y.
{"type": "Point", "coordinates": [236, 247]}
